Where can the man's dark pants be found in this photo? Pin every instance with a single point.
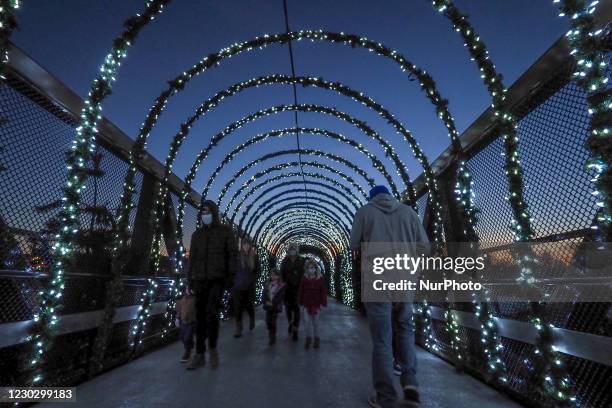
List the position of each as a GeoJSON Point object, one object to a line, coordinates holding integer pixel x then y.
{"type": "Point", "coordinates": [292, 307]}
{"type": "Point", "coordinates": [208, 302]}
{"type": "Point", "coordinates": [244, 300]}
{"type": "Point", "coordinates": [271, 318]}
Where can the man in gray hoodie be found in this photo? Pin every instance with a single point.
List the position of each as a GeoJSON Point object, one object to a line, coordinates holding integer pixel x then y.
{"type": "Point", "coordinates": [385, 220]}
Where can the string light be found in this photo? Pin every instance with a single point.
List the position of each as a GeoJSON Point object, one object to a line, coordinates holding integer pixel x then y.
{"type": "Point", "coordinates": [283, 166]}
{"type": "Point", "coordinates": [338, 195]}
{"type": "Point", "coordinates": [8, 23]}
{"type": "Point", "coordinates": [376, 163]}
{"type": "Point", "coordinates": [269, 203]}
{"type": "Point", "coordinates": [304, 152]}
{"type": "Point", "coordinates": [49, 299]}
{"type": "Point", "coordinates": [588, 44]}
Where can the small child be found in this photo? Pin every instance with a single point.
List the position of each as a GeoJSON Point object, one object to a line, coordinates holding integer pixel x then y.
{"type": "Point", "coordinates": [186, 321]}
{"type": "Point", "coordinates": [312, 295]}
{"type": "Point", "coordinates": [273, 296]}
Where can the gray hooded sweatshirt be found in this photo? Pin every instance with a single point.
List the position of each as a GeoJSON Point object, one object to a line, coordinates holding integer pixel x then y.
{"type": "Point", "coordinates": [385, 219]}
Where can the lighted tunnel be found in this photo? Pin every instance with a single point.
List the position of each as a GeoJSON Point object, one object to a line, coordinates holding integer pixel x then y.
{"type": "Point", "coordinates": [311, 201]}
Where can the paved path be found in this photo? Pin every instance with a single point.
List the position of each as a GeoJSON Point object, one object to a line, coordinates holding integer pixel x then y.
{"type": "Point", "coordinates": [253, 374]}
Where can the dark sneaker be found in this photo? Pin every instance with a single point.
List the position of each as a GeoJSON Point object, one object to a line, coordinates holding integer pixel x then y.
{"type": "Point", "coordinates": [308, 341]}
{"type": "Point", "coordinates": [185, 357]}
{"type": "Point", "coordinates": [411, 396]}
{"type": "Point", "coordinates": [237, 335]}
{"type": "Point", "coordinates": [197, 360]}
{"type": "Point", "coordinates": [295, 335]}
{"type": "Point", "coordinates": [252, 324]}
{"type": "Point", "coordinates": [397, 370]}
{"type": "Point", "coordinates": [373, 401]}
{"type": "Point", "coordinates": [316, 343]}
{"type": "Point", "coordinates": [214, 358]}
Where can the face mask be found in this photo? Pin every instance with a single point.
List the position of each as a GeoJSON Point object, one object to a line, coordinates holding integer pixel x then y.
{"type": "Point", "coordinates": [312, 271]}
{"type": "Point", "coordinates": [292, 252]}
{"type": "Point", "coordinates": [207, 219]}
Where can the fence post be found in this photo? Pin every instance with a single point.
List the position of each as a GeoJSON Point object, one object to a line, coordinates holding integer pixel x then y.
{"type": "Point", "coordinates": [142, 238]}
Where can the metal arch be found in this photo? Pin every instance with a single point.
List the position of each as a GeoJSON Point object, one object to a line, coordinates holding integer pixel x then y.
{"type": "Point", "coordinates": [290, 183]}
{"type": "Point", "coordinates": [340, 207]}
{"type": "Point", "coordinates": [323, 210]}
{"type": "Point", "coordinates": [269, 206]}
{"type": "Point", "coordinates": [307, 108]}
{"type": "Point", "coordinates": [303, 214]}
{"type": "Point", "coordinates": [313, 152]}
{"type": "Point", "coordinates": [283, 166]}
{"type": "Point", "coordinates": [314, 219]}
{"type": "Point", "coordinates": [309, 232]}
{"type": "Point", "coordinates": [177, 84]}
{"type": "Point", "coordinates": [310, 214]}
{"type": "Point", "coordinates": [305, 232]}
{"type": "Point", "coordinates": [311, 242]}
{"type": "Point", "coordinates": [304, 81]}
{"type": "Point", "coordinates": [376, 163]}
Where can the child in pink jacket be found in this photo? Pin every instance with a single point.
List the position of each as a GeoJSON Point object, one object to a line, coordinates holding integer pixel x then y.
{"type": "Point", "coordinates": [312, 296]}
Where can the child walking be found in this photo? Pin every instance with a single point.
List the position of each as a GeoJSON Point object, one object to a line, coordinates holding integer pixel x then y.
{"type": "Point", "coordinates": [274, 293]}
{"type": "Point", "coordinates": [186, 321]}
{"type": "Point", "coordinates": [312, 296]}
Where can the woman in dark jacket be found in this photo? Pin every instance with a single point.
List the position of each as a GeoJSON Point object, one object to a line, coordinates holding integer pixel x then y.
{"type": "Point", "coordinates": [243, 291]}
{"type": "Point", "coordinates": [292, 269]}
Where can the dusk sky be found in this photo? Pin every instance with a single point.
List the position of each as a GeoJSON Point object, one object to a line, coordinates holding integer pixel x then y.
{"type": "Point", "coordinates": [70, 38]}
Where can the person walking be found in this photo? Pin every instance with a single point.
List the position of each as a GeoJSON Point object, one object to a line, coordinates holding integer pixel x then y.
{"type": "Point", "coordinates": [274, 293]}
{"type": "Point", "coordinates": [385, 220]}
{"type": "Point", "coordinates": [292, 269]}
{"type": "Point", "coordinates": [312, 297]}
{"type": "Point", "coordinates": [212, 265]}
{"type": "Point", "coordinates": [243, 291]}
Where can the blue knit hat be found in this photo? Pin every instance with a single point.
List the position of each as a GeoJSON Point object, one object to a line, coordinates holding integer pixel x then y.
{"type": "Point", "coordinates": [378, 190]}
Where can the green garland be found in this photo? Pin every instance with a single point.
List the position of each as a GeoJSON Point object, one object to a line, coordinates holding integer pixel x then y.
{"type": "Point", "coordinates": [307, 152]}
{"type": "Point", "coordinates": [590, 48]}
{"type": "Point", "coordinates": [178, 84]}
{"type": "Point", "coordinates": [283, 166]}
{"type": "Point", "coordinates": [77, 158]}
{"type": "Point", "coordinates": [339, 195]}
{"type": "Point", "coordinates": [376, 163]}
{"type": "Point", "coordinates": [343, 228]}
{"type": "Point", "coordinates": [317, 218]}
{"type": "Point", "coordinates": [490, 340]}
{"type": "Point", "coordinates": [8, 23]}
{"type": "Point", "coordinates": [268, 205]}
{"type": "Point", "coordinates": [298, 232]}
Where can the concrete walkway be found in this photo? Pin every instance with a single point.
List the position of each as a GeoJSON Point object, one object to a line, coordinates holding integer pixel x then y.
{"type": "Point", "coordinates": [253, 374]}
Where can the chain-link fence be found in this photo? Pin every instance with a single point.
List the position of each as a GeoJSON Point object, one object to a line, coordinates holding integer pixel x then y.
{"type": "Point", "coordinates": [35, 134]}
{"type": "Point", "coordinates": [552, 131]}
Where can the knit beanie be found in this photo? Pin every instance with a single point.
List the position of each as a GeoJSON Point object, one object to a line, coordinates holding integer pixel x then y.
{"type": "Point", "coordinates": [378, 190]}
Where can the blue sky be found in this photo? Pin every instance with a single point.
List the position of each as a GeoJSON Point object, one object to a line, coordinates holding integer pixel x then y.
{"type": "Point", "coordinates": [70, 38]}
